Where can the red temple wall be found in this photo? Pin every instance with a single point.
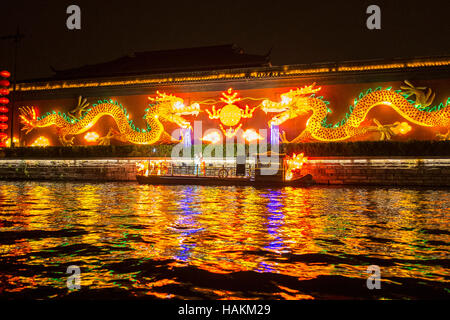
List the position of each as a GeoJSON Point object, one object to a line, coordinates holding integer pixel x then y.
{"type": "Point", "coordinates": [340, 96]}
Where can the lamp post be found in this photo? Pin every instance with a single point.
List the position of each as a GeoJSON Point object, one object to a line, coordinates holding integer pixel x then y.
{"type": "Point", "coordinates": [16, 37]}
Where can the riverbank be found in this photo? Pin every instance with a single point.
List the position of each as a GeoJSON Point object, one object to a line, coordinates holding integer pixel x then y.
{"type": "Point", "coordinates": [393, 171]}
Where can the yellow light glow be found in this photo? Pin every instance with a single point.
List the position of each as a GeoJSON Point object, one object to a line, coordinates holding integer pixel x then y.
{"type": "Point", "coordinates": [152, 167]}
{"type": "Point", "coordinates": [402, 128]}
{"type": "Point", "coordinates": [142, 167]}
{"type": "Point", "coordinates": [294, 165]}
{"type": "Point", "coordinates": [251, 135]}
{"type": "Point", "coordinates": [372, 67]}
{"type": "Point", "coordinates": [212, 137]}
{"type": "Point", "coordinates": [8, 141]}
{"type": "Point", "coordinates": [40, 142]}
{"type": "Point", "coordinates": [230, 115]}
{"type": "Point", "coordinates": [91, 136]}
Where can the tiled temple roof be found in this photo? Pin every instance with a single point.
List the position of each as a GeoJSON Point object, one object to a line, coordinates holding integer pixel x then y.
{"type": "Point", "coordinates": [168, 61]}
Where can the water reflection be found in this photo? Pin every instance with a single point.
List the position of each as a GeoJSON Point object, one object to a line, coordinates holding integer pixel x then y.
{"type": "Point", "coordinates": [222, 242]}
{"type": "Point", "coordinates": [186, 225]}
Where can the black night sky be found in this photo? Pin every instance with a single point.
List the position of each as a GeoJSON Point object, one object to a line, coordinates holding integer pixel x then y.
{"type": "Point", "coordinates": [298, 31]}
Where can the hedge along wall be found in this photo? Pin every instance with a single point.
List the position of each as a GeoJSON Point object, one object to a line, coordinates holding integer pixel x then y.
{"type": "Point", "coordinates": [336, 149]}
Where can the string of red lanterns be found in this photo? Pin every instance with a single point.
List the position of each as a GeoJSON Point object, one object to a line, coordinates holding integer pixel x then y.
{"type": "Point", "coordinates": [5, 74]}
{"type": "Point", "coordinates": [4, 84]}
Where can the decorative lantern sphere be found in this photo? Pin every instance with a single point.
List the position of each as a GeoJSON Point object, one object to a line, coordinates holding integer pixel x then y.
{"type": "Point", "coordinates": [5, 74]}
{"type": "Point", "coordinates": [230, 115]}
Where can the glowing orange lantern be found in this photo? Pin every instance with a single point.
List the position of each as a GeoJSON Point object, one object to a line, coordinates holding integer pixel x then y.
{"type": "Point", "coordinates": [4, 92]}
{"type": "Point", "coordinates": [3, 118]}
{"type": "Point", "coordinates": [4, 83]}
{"type": "Point", "coordinates": [4, 100]}
{"type": "Point", "coordinates": [4, 109]}
{"type": "Point", "coordinates": [5, 74]}
{"type": "Point", "coordinates": [3, 126]}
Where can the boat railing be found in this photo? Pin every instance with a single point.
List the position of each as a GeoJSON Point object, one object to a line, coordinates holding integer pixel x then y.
{"type": "Point", "coordinates": [223, 171]}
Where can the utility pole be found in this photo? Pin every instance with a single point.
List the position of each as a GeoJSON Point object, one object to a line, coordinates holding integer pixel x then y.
{"type": "Point", "coordinates": [16, 37]}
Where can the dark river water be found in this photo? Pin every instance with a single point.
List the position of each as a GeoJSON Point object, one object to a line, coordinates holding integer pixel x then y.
{"type": "Point", "coordinates": [194, 242]}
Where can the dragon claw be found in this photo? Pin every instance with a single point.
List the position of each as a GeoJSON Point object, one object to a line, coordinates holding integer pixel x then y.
{"type": "Point", "coordinates": [424, 96]}
{"type": "Point", "coordinates": [26, 129]}
{"type": "Point", "coordinates": [104, 141]}
{"type": "Point", "coordinates": [66, 142]}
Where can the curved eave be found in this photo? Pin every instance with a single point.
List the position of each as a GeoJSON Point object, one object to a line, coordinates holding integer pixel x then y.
{"type": "Point", "coordinates": [277, 72]}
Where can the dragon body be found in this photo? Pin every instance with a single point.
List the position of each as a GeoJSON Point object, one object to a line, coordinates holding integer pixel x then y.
{"type": "Point", "coordinates": [166, 108]}
{"type": "Point", "coordinates": [302, 101]}
{"type": "Point", "coordinates": [295, 103]}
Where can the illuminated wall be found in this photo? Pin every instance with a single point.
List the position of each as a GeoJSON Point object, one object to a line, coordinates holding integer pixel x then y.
{"type": "Point", "coordinates": [416, 109]}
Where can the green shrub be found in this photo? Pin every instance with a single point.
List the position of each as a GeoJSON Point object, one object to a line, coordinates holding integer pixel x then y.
{"type": "Point", "coordinates": [315, 149]}
{"type": "Point", "coordinates": [371, 148]}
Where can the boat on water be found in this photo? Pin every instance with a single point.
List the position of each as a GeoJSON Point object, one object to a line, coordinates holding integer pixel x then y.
{"type": "Point", "coordinates": [303, 181]}
{"type": "Point", "coordinates": [240, 172]}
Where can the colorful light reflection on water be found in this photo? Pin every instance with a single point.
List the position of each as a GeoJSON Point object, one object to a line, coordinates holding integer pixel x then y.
{"type": "Point", "coordinates": [222, 242]}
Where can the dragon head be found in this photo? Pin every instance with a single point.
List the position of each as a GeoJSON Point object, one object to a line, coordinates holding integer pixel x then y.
{"type": "Point", "coordinates": [297, 98]}
{"type": "Point", "coordinates": [171, 108]}
{"type": "Point", "coordinates": [28, 118]}
{"type": "Point", "coordinates": [175, 104]}
{"type": "Point", "coordinates": [182, 110]}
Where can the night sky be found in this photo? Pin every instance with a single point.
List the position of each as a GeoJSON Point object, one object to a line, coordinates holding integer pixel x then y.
{"type": "Point", "coordinates": [298, 31]}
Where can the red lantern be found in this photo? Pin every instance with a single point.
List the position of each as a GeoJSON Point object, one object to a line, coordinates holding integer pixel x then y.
{"type": "Point", "coordinates": [5, 74]}
{"type": "Point", "coordinates": [4, 109]}
{"type": "Point", "coordinates": [4, 100]}
{"type": "Point", "coordinates": [3, 118]}
{"type": "Point", "coordinates": [3, 136]}
{"type": "Point", "coordinates": [4, 92]}
{"type": "Point", "coordinates": [3, 126]}
{"type": "Point", "coordinates": [4, 83]}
